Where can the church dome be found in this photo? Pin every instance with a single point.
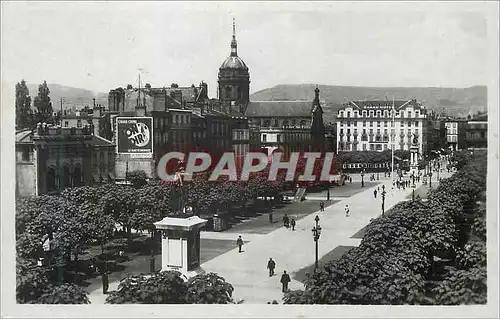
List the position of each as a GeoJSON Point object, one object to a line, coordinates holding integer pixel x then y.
{"type": "Point", "coordinates": [234, 62]}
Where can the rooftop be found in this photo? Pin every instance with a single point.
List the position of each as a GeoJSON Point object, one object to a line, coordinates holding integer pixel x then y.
{"type": "Point", "coordinates": [279, 109]}
{"type": "Point", "coordinates": [383, 104]}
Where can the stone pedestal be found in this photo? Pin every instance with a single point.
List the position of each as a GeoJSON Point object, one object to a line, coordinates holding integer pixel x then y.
{"type": "Point", "coordinates": [180, 246]}
{"type": "Point", "coordinates": [414, 160]}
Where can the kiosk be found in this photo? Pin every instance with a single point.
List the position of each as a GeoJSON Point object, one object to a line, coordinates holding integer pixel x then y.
{"type": "Point", "coordinates": [180, 244]}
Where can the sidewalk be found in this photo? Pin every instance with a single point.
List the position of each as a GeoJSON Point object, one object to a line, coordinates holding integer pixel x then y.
{"type": "Point", "coordinates": [291, 250]}
{"type": "Point", "coordinates": [294, 250]}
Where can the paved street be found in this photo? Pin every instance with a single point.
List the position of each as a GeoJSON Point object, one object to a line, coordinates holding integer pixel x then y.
{"type": "Point", "coordinates": [293, 251]}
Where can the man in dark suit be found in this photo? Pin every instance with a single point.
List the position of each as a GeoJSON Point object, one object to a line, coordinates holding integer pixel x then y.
{"type": "Point", "coordinates": [285, 279]}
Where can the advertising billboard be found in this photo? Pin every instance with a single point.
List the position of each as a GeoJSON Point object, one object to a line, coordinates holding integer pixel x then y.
{"type": "Point", "coordinates": [134, 135]}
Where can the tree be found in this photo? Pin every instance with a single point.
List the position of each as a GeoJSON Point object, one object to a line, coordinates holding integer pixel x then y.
{"type": "Point", "coordinates": [394, 262]}
{"type": "Point", "coordinates": [31, 280]}
{"type": "Point", "coordinates": [137, 178]}
{"type": "Point", "coordinates": [166, 287]}
{"type": "Point", "coordinates": [63, 294]}
{"type": "Point", "coordinates": [209, 289]}
{"type": "Point", "coordinates": [120, 203]}
{"type": "Point", "coordinates": [23, 106]}
{"type": "Point", "coordinates": [43, 104]}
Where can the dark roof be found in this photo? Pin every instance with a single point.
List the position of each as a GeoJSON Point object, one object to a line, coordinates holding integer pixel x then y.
{"type": "Point", "coordinates": [24, 136]}
{"type": "Point", "coordinates": [236, 113]}
{"type": "Point", "coordinates": [234, 62]}
{"type": "Point", "coordinates": [279, 109]}
{"type": "Point", "coordinates": [480, 118]}
{"type": "Point", "coordinates": [100, 141]}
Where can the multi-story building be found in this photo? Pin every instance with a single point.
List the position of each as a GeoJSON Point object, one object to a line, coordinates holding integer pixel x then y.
{"type": "Point", "coordinates": [369, 125]}
{"type": "Point", "coordinates": [288, 126]}
{"type": "Point", "coordinates": [52, 158]}
{"type": "Point", "coordinates": [455, 134]}
{"type": "Point", "coordinates": [436, 135]}
{"type": "Point", "coordinates": [477, 133]}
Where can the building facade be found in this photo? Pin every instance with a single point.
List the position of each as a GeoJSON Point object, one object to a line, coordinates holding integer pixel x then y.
{"type": "Point", "coordinates": [455, 134]}
{"type": "Point", "coordinates": [234, 78]}
{"type": "Point", "coordinates": [287, 126]}
{"type": "Point", "coordinates": [477, 133]}
{"type": "Point", "coordinates": [53, 158]}
{"type": "Point", "coordinates": [369, 126]}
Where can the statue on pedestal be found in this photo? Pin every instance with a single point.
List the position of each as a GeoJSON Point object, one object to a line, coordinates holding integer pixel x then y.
{"type": "Point", "coordinates": [179, 191]}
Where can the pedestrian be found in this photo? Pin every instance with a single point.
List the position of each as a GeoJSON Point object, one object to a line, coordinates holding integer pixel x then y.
{"type": "Point", "coordinates": [321, 206]}
{"type": "Point", "coordinates": [346, 210]}
{"type": "Point", "coordinates": [285, 279]}
{"type": "Point", "coordinates": [293, 223]}
{"type": "Point", "coordinates": [286, 221]}
{"type": "Point", "coordinates": [375, 193]}
{"type": "Point", "coordinates": [271, 265]}
{"type": "Point", "coordinates": [239, 242]}
{"type": "Point", "coordinates": [105, 283]}
{"type": "Point", "coordinates": [270, 217]}
{"type": "Point", "coordinates": [350, 180]}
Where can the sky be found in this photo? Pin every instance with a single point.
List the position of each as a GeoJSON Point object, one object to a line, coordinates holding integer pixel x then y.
{"type": "Point", "coordinates": [104, 45]}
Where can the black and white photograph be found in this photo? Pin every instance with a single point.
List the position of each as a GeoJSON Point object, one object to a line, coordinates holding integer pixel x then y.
{"type": "Point", "coordinates": [254, 159]}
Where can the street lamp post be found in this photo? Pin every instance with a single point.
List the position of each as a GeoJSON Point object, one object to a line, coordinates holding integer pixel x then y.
{"type": "Point", "coordinates": [328, 192]}
{"type": "Point", "coordinates": [362, 178]}
{"type": "Point", "coordinates": [377, 176]}
{"type": "Point", "coordinates": [316, 233]}
{"type": "Point", "coordinates": [383, 199]}
{"type": "Point", "coordinates": [430, 177]}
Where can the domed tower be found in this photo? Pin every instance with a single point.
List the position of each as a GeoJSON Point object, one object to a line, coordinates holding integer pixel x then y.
{"type": "Point", "coordinates": [234, 78]}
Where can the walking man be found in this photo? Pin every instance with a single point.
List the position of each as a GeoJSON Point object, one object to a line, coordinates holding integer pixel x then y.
{"type": "Point", "coordinates": [271, 265]}
{"type": "Point", "coordinates": [375, 193]}
{"type": "Point", "coordinates": [322, 206]}
{"type": "Point", "coordinates": [286, 221]}
{"type": "Point", "coordinates": [293, 223]}
{"type": "Point", "coordinates": [346, 210]}
{"type": "Point", "coordinates": [239, 242]}
{"type": "Point", "coordinates": [285, 279]}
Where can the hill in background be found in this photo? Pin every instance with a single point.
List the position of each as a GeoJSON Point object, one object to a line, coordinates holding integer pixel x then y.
{"type": "Point", "coordinates": [450, 101]}
{"type": "Point", "coordinates": [73, 98]}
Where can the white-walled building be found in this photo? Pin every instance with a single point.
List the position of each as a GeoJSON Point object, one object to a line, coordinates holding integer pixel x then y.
{"type": "Point", "coordinates": [368, 125]}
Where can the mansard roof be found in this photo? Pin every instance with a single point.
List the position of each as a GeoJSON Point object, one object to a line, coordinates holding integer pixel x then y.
{"type": "Point", "coordinates": [279, 109]}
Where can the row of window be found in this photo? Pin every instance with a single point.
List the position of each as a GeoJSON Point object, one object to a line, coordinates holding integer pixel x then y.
{"type": "Point", "coordinates": [241, 135]}
{"type": "Point", "coordinates": [284, 123]}
{"type": "Point", "coordinates": [176, 119]}
{"type": "Point", "coordinates": [379, 123]}
{"type": "Point", "coordinates": [379, 113]}
{"type": "Point", "coordinates": [343, 146]}
{"type": "Point", "coordinates": [287, 137]}
{"type": "Point", "coordinates": [386, 132]}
